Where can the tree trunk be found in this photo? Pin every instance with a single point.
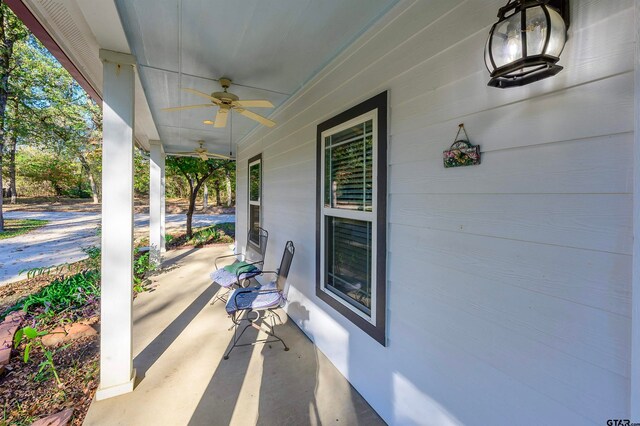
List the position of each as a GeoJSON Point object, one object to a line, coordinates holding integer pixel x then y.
{"type": "Point", "coordinates": [57, 189]}
{"type": "Point", "coordinates": [217, 189]}
{"type": "Point", "coordinates": [1, 189]}
{"type": "Point", "coordinates": [9, 34]}
{"type": "Point", "coordinates": [92, 182]}
{"type": "Point", "coordinates": [12, 169]}
{"type": "Point", "coordinates": [227, 182]}
{"type": "Point", "coordinates": [205, 198]}
{"type": "Point", "coordinates": [4, 83]}
{"type": "Point", "coordinates": [193, 192]}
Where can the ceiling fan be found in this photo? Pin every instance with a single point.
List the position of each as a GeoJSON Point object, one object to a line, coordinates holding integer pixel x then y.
{"type": "Point", "coordinates": [227, 101]}
{"type": "Point", "coordinates": [201, 152]}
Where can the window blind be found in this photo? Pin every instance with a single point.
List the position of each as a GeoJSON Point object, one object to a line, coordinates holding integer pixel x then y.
{"type": "Point", "coordinates": [349, 168]}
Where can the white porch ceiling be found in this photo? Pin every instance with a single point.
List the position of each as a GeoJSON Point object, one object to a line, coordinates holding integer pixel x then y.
{"type": "Point", "coordinates": [269, 50]}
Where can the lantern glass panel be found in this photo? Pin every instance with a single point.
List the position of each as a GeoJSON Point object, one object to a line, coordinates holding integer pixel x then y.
{"type": "Point", "coordinates": [558, 34]}
{"type": "Point", "coordinates": [536, 28]}
{"type": "Point", "coordinates": [487, 57]}
{"type": "Point", "coordinates": [506, 42]}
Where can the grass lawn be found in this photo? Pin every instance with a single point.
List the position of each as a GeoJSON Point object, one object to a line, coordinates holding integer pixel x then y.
{"type": "Point", "coordinates": [13, 227]}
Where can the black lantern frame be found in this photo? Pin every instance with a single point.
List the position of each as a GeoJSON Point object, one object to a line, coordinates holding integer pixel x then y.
{"type": "Point", "coordinates": [528, 68]}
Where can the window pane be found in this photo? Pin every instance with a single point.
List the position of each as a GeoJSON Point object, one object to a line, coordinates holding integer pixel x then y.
{"type": "Point", "coordinates": [349, 168]}
{"type": "Point", "coordinates": [254, 182]}
{"type": "Point", "coordinates": [356, 131]}
{"type": "Point", "coordinates": [348, 260]}
{"type": "Point", "coordinates": [254, 222]}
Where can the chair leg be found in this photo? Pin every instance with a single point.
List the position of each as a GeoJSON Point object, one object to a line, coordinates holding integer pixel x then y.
{"type": "Point", "coordinates": [269, 329]}
{"type": "Point", "coordinates": [273, 326]}
{"type": "Point", "coordinates": [223, 297]}
{"type": "Point", "coordinates": [236, 337]}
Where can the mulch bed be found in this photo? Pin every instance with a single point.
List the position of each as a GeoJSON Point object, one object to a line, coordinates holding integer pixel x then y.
{"type": "Point", "coordinates": [26, 396]}
{"type": "Point", "coordinates": [24, 399]}
{"type": "Point", "coordinates": [11, 293]}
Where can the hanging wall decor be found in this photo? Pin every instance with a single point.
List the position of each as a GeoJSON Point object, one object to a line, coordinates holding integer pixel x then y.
{"type": "Point", "coordinates": [461, 152]}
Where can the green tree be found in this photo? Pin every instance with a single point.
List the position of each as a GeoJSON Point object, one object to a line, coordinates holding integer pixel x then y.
{"type": "Point", "coordinates": [196, 172]}
{"type": "Point", "coordinates": [12, 30]}
{"type": "Point", "coordinates": [223, 182]}
{"type": "Point", "coordinates": [48, 109]}
{"type": "Point", "coordinates": [140, 174]}
{"type": "Point", "coordinates": [41, 166]}
{"type": "Point", "coordinates": [68, 122]}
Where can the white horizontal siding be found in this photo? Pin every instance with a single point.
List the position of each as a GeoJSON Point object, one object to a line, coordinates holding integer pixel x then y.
{"type": "Point", "coordinates": [509, 283]}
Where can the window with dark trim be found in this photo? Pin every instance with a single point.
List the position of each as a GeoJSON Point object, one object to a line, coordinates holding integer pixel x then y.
{"type": "Point", "coordinates": [351, 214]}
{"type": "Point", "coordinates": [254, 191]}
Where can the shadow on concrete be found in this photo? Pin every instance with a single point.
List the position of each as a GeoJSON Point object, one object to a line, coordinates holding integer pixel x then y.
{"type": "Point", "coordinates": [286, 389]}
{"type": "Point", "coordinates": [220, 398]}
{"type": "Point", "coordinates": [161, 343]}
{"type": "Point", "coordinates": [281, 403]}
{"type": "Point", "coordinates": [172, 263]}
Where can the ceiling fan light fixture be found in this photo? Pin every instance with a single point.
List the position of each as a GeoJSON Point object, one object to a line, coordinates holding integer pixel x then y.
{"type": "Point", "coordinates": [226, 102]}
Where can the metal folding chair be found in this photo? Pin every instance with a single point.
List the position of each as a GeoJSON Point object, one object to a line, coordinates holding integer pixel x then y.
{"type": "Point", "coordinates": [253, 257]}
{"type": "Point", "coordinates": [256, 305]}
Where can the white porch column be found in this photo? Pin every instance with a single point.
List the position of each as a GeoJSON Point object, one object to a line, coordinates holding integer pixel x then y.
{"type": "Point", "coordinates": [116, 363]}
{"type": "Point", "coordinates": [156, 201]}
{"type": "Point", "coordinates": [163, 205]}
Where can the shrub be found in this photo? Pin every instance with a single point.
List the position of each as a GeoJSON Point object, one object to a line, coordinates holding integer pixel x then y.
{"type": "Point", "coordinates": [64, 293]}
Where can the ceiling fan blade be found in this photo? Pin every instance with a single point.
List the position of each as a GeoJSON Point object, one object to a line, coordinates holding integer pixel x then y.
{"type": "Point", "coordinates": [224, 157]}
{"type": "Point", "coordinates": [221, 118]}
{"type": "Point", "coordinates": [202, 95]}
{"type": "Point", "coordinates": [253, 103]}
{"type": "Point", "coordinates": [257, 117]}
{"type": "Point", "coordinates": [182, 154]}
{"type": "Point", "coordinates": [186, 107]}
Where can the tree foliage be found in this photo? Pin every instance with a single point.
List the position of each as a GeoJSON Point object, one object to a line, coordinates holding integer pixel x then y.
{"type": "Point", "coordinates": [49, 111]}
{"type": "Point", "coordinates": [43, 167]}
{"type": "Point", "coordinates": [51, 131]}
{"type": "Point", "coordinates": [196, 173]}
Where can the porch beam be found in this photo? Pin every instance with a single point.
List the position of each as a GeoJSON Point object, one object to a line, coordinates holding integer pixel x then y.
{"type": "Point", "coordinates": [116, 363]}
{"type": "Point", "coordinates": [156, 201]}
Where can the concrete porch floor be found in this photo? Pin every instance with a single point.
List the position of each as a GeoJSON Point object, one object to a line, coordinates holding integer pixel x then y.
{"type": "Point", "coordinates": [179, 341]}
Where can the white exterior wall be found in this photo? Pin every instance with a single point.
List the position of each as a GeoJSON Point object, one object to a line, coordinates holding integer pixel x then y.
{"type": "Point", "coordinates": [509, 283]}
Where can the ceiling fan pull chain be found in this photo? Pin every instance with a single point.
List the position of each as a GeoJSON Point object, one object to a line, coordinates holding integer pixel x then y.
{"type": "Point", "coordinates": [230, 133]}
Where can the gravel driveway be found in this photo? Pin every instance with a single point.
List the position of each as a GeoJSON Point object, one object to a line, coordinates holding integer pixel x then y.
{"type": "Point", "coordinates": [66, 234]}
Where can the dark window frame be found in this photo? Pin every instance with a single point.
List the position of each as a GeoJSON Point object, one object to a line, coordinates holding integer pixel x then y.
{"type": "Point", "coordinates": [378, 330]}
{"type": "Point", "coordinates": [253, 160]}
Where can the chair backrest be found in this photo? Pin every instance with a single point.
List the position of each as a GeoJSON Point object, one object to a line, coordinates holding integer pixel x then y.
{"type": "Point", "coordinates": [262, 237]}
{"type": "Point", "coordinates": [285, 265]}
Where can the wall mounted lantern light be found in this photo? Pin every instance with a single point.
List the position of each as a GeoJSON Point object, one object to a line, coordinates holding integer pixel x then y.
{"type": "Point", "coordinates": [525, 44]}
